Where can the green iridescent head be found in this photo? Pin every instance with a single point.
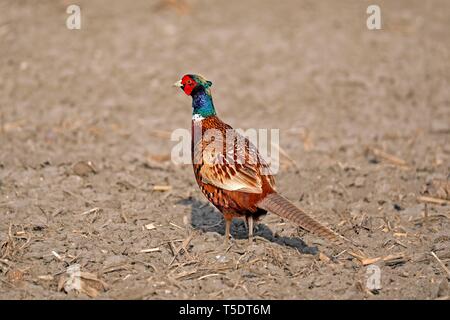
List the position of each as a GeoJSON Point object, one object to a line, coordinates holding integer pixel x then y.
{"type": "Point", "coordinates": [199, 88]}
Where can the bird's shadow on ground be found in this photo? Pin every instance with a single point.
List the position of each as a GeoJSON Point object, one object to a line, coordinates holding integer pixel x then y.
{"type": "Point", "coordinates": [208, 219]}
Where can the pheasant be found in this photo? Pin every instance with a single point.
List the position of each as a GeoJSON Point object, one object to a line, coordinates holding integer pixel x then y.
{"type": "Point", "coordinates": [238, 189]}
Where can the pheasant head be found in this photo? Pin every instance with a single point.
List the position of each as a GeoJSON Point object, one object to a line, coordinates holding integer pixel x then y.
{"type": "Point", "coordinates": [198, 88]}
{"type": "Point", "coordinates": [190, 83]}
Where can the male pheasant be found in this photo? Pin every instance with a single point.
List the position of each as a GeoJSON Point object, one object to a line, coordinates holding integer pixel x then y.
{"type": "Point", "coordinates": [239, 189]}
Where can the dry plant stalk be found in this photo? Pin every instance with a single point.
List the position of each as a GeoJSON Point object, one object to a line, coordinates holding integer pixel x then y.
{"type": "Point", "coordinates": [388, 260]}
{"type": "Point", "coordinates": [183, 246]}
{"type": "Point", "coordinates": [162, 188]}
{"type": "Point", "coordinates": [433, 200]}
{"type": "Point", "coordinates": [441, 264]}
{"type": "Point", "coordinates": [10, 247]}
{"type": "Point", "coordinates": [82, 282]}
{"type": "Point", "coordinates": [388, 157]}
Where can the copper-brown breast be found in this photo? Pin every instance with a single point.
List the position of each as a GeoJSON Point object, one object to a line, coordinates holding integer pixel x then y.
{"type": "Point", "coordinates": [226, 181]}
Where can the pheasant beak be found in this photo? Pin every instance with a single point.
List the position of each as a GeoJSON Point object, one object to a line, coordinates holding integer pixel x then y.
{"type": "Point", "coordinates": [178, 84]}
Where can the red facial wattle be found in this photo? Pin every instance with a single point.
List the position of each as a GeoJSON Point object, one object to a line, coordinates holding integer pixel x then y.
{"type": "Point", "coordinates": [188, 84]}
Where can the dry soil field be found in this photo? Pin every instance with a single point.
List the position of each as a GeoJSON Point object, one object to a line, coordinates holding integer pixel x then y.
{"type": "Point", "coordinates": [85, 123]}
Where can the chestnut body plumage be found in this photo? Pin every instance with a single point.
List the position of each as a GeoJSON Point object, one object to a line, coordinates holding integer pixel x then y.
{"type": "Point", "coordinates": [231, 173]}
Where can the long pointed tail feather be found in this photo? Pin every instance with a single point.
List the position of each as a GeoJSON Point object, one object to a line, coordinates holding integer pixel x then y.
{"type": "Point", "coordinates": [279, 205]}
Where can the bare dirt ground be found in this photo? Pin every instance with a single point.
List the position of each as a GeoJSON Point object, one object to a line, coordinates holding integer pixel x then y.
{"type": "Point", "coordinates": [364, 116]}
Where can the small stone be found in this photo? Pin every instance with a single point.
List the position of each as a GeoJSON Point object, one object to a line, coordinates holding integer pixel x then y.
{"type": "Point", "coordinates": [150, 226]}
{"type": "Point", "coordinates": [84, 168]}
{"type": "Point", "coordinates": [359, 182]}
{"type": "Point", "coordinates": [221, 259]}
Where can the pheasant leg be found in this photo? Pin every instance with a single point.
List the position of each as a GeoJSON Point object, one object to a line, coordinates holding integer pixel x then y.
{"type": "Point", "coordinates": [227, 229]}
{"type": "Point", "coordinates": [250, 229]}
